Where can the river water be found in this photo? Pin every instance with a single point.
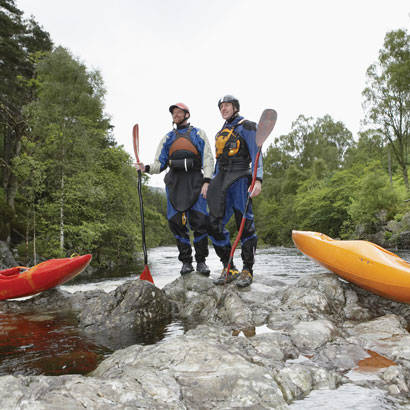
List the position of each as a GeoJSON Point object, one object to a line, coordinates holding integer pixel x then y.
{"type": "Point", "coordinates": [51, 344]}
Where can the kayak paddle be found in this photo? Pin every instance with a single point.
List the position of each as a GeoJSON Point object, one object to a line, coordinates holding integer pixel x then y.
{"type": "Point", "coordinates": [146, 274]}
{"type": "Point", "coordinates": [265, 127]}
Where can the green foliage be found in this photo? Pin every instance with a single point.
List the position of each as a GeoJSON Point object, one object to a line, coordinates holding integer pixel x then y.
{"type": "Point", "coordinates": [375, 201]}
{"type": "Point", "coordinates": [78, 187]}
{"type": "Point", "coordinates": [22, 43]}
{"type": "Point", "coordinates": [318, 178]}
{"type": "Point", "coordinates": [387, 95]}
{"type": "Point", "coordinates": [321, 204]}
{"type": "Point", "coordinates": [320, 187]}
{"type": "Point", "coordinates": [369, 148]}
{"type": "Point", "coordinates": [311, 140]}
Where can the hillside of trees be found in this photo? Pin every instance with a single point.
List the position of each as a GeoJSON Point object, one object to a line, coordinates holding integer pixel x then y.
{"type": "Point", "coordinates": [318, 177]}
{"type": "Point", "coordinates": [67, 187]}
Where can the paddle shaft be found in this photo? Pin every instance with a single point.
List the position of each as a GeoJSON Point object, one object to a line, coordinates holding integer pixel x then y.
{"type": "Point", "coordinates": [135, 140]}
{"type": "Point", "coordinates": [265, 127]}
{"type": "Point", "coordinates": [238, 237]}
{"type": "Point", "coordinates": [144, 246]}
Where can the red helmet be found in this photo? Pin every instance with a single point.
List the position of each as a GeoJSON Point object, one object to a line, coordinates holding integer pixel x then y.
{"type": "Point", "coordinates": [181, 106]}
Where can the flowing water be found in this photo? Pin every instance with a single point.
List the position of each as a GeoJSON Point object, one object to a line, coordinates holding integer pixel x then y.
{"type": "Point", "coordinates": [51, 344]}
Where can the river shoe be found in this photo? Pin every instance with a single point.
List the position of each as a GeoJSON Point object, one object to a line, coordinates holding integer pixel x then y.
{"type": "Point", "coordinates": [186, 268]}
{"type": "Point", "coordinates": [227, 278]}
{"type": "Point", "coordinates": [202, 268]}
{"type": "Point", "coordinates": [245, 279]}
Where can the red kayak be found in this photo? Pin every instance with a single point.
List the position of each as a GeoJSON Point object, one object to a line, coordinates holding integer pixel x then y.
{"type": "Point", "coordinates": [21, 281]}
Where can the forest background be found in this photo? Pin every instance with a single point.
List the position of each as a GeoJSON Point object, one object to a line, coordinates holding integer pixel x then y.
{"type": "Point", "coordinates": [67, 187]}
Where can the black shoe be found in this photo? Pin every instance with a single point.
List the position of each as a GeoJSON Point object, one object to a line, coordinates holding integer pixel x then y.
{"type": "Point", "coordinates": [186, 268]}
{"type": "Point", "coordinates": [245, 279]}
{"type": "Point", "coordinates": [227, 278]}
{"type": "Point", "coordinates": [202, 268]}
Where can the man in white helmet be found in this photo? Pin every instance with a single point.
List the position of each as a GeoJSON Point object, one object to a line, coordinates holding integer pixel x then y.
{"type": "Point", "coordinates": [187, 153]}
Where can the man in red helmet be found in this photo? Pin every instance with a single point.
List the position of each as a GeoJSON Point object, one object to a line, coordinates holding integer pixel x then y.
{"type": "Point", "coordinates": [186, 151]}
{"type": "Point", "coordinates": [236, 150]}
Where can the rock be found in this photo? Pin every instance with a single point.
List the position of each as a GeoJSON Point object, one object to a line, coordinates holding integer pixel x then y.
{"type": "Point", "coordinates": [352, 310]}
{"type": "Point", "coordinates": [259, 347]}
{"type": "Point", "coordinates": [380, 238]}
{"type": "Point", "coordinates": [76, 392]}
{"type": "Point", "coordinates": [320, 295]}
{"type": "Point", "coordinates": [6, 257]}
{"type": "Point", "coordinates": [340, 355]}
{"type": "Point", "coordinates": [49, 300]}
{"type": "Point", "coordinates": [385, 335]}
{"type": "Point", "coordinates": [298, 380]}
{"type": "Point", "coordinates": [393, 226]}
{"type": "Point", "coordinates": [402, 240]}
{"type": "Point", "coordinates": [309, 336]}
{"type": "Point", "coordinates": [194, 296]}
{"type": "Point", "coordinates": [208, 372]}
{"type": "Point", "coordinates": [397, 376]}
{"type": "Point", "coordinates": [113, 318]}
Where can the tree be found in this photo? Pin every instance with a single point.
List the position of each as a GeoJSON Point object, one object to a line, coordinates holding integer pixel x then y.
{"type": "Point", "coordinates": [310, 140]}
{"type": "Point", "coordinates": [68, 128]}
{"type": "Point", "coordinates": [387, 96]}
{"type": "Point", "coordinates": [22, 42]}
{"type": "Point", "coordinates": [321, 202]}
{"type": "Point", "coordinates": [87, 201]}
{"type": "Point", "coordinates": [374, 201]}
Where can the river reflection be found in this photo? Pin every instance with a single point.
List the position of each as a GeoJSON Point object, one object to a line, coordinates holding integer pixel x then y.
{"type": "Point", "coordinates": [45, 344]}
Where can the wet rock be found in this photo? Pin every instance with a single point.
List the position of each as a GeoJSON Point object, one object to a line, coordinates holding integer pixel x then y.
{"type": "Point", "coordinates": [114, 317]}
{"type": "Point", "coordinates": [76, 392]}
{"type": "Point", "coordinates": [194, 296]}
{"type": "Point", "coordinates": [298, 380]}
{"type": "Point", "coordinates": [397, 377]}
{"type": "Point", "coordinates": [49, 300]}
{"type": "Point", "coordinates": [309, 336]}
{"type": "Point", "coordinates": [319, 295]}
{"type": "Point", "coordinates": [386, 336]}
{"type": "Point", "coordinates": [340, 355]}
{"type": "Point", "coordinates": [272, 347]}
{"type": "Point", "coordinates": [402, 240]}
{"type": "Point", "coordinates": [258, 347]}
{"type": "Point", "coordinates": [208, 372]}
{"type": "Point", "coordinates": [6, 257]}
{"type": "Point", "coordinates": [352, 310]}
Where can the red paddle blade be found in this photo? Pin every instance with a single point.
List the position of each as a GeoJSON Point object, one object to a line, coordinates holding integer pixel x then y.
{"type": "Point", "coordinates": [135, 139]}
{"type": "Point", "coordinates": [265, 125]}
{"type": "Point", "coordinates": [146, 275]}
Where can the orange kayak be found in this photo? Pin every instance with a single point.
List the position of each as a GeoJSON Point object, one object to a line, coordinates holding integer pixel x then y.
{"type": "Point", "coordinates": [21, 281]}
{"type": "Point", "coordinates": [363, 263]}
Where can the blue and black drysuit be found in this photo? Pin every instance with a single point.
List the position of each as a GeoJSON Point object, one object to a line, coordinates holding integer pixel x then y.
{"type": "Point", "coordinates": [236, 151]}
{"type": "Point", "coordinates": [186, 152]}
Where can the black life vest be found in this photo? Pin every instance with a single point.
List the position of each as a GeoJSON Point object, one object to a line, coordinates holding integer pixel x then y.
{"type": "Point", "coordinates": [231, 150]}
{"type": "Point", "coordinates": [184, 179]}
{"type": "Point", "coordinates": [233, 160]}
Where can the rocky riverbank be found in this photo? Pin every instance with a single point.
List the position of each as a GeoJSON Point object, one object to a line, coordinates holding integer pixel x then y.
{"type": "Point", "coordinates": [261, 347]}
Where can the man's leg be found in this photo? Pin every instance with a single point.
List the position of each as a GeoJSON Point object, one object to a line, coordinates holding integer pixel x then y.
{"type": "Point", "coordinates": [177, 223]}
{"type": "Point", "coordinates": [248, 238]}
{"type": "Point", "coordinates": [221, 240]}
{"type": "Point", "coordinates": [198, 222]}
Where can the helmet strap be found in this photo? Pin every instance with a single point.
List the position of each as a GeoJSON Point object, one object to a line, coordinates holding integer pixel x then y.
{"type": "Point", "coordinates": [234, 115]}
{"type": "Point", "coordinates": [185, 120]}
{"type": "Point", "coordinates": [181, 124]}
